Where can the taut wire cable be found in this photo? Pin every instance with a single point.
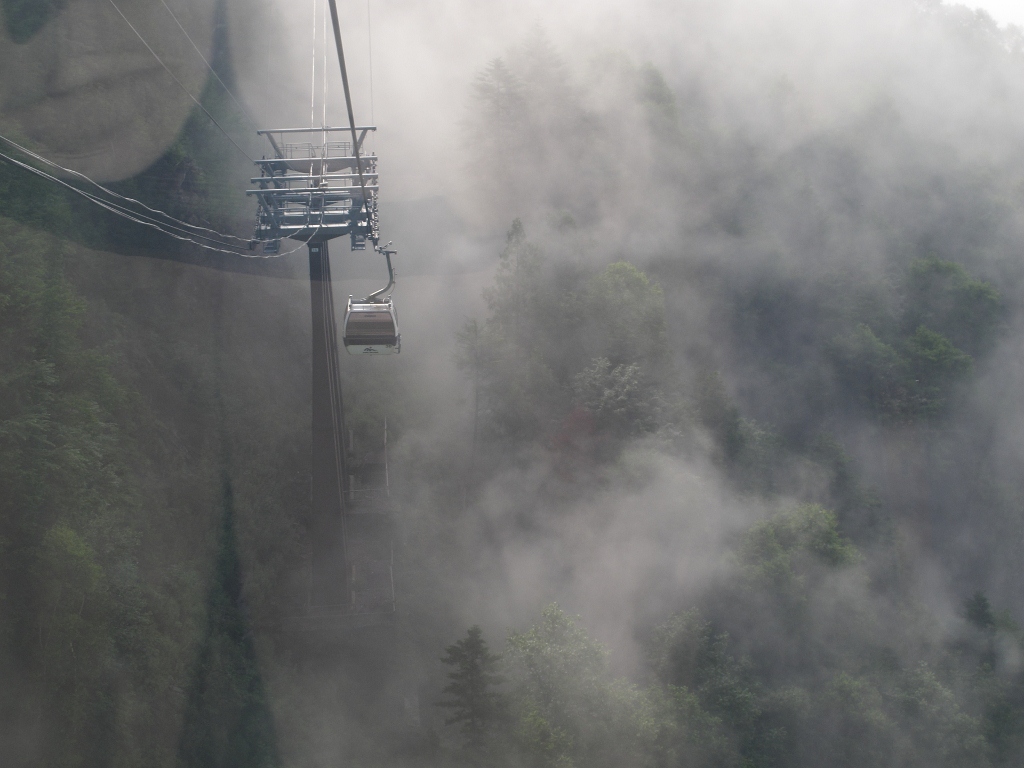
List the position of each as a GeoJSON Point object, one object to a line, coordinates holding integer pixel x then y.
{"type": "Point", "coordinates": [312, 76]}
{"type": "Point", "coordinates": [369, 49]}
{"type": "Point", "coordinates": [323, 121]}
{"type": "Point", "coordinates": [180, 84]}
{"type": "Point", "coordinates": [209, 66]}
{"type": "Point", "coordinates": [138, 218]}
{"type": "Point", "coordinates": [348, 99]}
{"type": "Point", "coordinates": [112, 193]}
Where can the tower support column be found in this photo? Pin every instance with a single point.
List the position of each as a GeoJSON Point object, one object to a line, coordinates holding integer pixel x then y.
{"type": "Point", "coordinates": [329, 581]}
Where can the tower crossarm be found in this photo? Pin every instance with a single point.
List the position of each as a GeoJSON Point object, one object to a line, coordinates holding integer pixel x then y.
{"type": "Point", "coordinates": [264, 180]}
{"type": "Point", "coordinates": [306, 191]}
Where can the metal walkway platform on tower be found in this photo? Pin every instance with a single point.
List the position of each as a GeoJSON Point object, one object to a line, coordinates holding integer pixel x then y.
{"type": "Point", "coordinates": [313, 190]}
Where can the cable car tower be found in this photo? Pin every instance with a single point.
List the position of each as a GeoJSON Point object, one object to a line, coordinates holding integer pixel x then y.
{"type": "Point", "coordinates": [321, 185]}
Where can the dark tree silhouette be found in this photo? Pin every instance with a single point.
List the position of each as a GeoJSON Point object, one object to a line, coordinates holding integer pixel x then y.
{"type": "Point", "coordinates": [227, 723]}
{"type": "Point", "coordinates": [471, 694]}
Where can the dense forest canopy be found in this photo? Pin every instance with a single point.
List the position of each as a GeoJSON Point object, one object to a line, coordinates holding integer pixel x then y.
{"type": "Point", "coordinates": [714, 459]}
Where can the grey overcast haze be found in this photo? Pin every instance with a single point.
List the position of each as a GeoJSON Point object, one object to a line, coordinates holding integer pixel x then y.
{"type": "Point", "coordinates": [705, 443]}
{"type": "Point", "coordinates": [1003, 11]}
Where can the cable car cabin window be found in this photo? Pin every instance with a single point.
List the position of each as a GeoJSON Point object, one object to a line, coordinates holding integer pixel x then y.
{"type": "Point", "coordinates": [371, 329]}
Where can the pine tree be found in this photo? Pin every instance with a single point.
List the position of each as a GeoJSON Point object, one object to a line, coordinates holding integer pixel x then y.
{"type": "Point", "coordinates": [470, 694]}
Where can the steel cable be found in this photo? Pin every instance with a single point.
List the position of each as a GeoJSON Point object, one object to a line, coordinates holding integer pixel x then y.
{"type": "Point", "coordinates": [147, 221]}
{"type": "Point", "coordinates": [112, 193]}
{"type": "Point", "coordinates": [242, 109]}
{"type": "Point", "coordinates": [180, 84]}
{"type": "Point", "coordinates": [348, 100]}
{"type": "Point", "coordinates": [369, 56]}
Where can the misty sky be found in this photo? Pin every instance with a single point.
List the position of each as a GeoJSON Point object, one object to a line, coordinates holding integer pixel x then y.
{"type": "Point", "coordinates": [1003, 11]}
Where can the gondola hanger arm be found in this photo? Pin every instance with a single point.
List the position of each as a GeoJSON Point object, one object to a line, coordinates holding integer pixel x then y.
{"type": "Point", "coordinates": [387, 253]}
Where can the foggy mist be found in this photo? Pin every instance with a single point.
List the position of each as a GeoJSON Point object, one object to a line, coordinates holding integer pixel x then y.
{"type": "Point", "coordinates": [707, 416]}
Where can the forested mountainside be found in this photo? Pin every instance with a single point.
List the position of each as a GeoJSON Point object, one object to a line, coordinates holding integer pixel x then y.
{"type": "Point", "coordinates": [717, 463]}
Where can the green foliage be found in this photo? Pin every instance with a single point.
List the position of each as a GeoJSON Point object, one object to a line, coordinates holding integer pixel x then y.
{"type": "Point", "coordinates": [942, 297]}
{"type": "Point", "coordinates": [849, 344]}
{"type": "Point", "coordinates": [688, 735]}
{"type": "Point", "coordinates": [515, 377]}
{"type": "Point", "coordinates": [553, 661]}
{"type": "Point", "coordinates": [760, 458]}
{"type": "Point", "coordinates": [783, 563]}
{"type": "Point", "coordinates": [567, 709]}
{"type": "Point", "coordinates": [978, 611]}
{"type": "Point", "coordinates": [555, 341]}
{"type": "Point", "coordinates": [904, 385]}
{"type": "Point", "coordinates": [935, 364]}
{"type": "Point", "coordinates": [916, 373]}
{"type": "Point", "coordinates": [942, 733]}
{"type": "Point", "coordinates": [497, 136]}
{"type": "Point", "coordinates": [75, 625]}
{"type": "Point", "coordinates": [875, 371]}
{"type": "Point", "coordinates": [770, 548]}
{"type": "Point", "coordinates": [729, 712]}
{"type": "Point", "coordinates": [499, 91]}
{"type": "Point", "coordinates": [751, 453]}
{"type": "Point", "coordinates": [719, 415]}
{"type": "Point", "coordinates": [516, 295]}
{"type": "Point", "coordinates": [96, 646]}
{"type": "Point", "coordinates": [625, 317]}
{"type": "Point", "coordinates": [620, 398]}
{"type": "Point", "coordinates": [543, 743]}
{"type": "Point", "coordinates": [738, 718]}
{"type": "Point", "coordinates": [909, 719]}
{"type": "Point", "coordinates": [227, 719]}
{"type": "Point", "coordinates": [1003, 718]}
{"type": "Point", "coordinates": [780, 673]}
{"type": "Point", "coordinates": [856, 729]}
{"type": "Point", "coordinates": [474, 703]}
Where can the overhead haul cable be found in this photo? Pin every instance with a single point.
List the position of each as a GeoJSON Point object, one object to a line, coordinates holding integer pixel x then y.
{"type": "Point", "coordinates": [113, 207]}
{"type": "Point", "coordinates": [369, 56]}
{"type": "Point", "coordinates": [171, 219]}
{"type": "Point", "coordinates": [144, 220]}
{"type": "Point", "coordinates": [323, 120]}
{"type": "Point", "coordinates": [180, 84]}
{"type": "Point", "coordinates": [209, 66]}
{"type": "Point", "coordinates": [348, 98]}
{"type": "Point", "coordinates": [312, 75]}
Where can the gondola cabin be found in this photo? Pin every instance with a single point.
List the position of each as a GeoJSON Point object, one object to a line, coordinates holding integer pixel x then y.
{"type": "Point", "coordinates": [371, 328]}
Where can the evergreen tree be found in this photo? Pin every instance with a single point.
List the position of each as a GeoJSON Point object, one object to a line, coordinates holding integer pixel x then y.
{"type": "Point", "coordinates": [227, 722]}
{"type": "Point", "coordinates": [474, 703]}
